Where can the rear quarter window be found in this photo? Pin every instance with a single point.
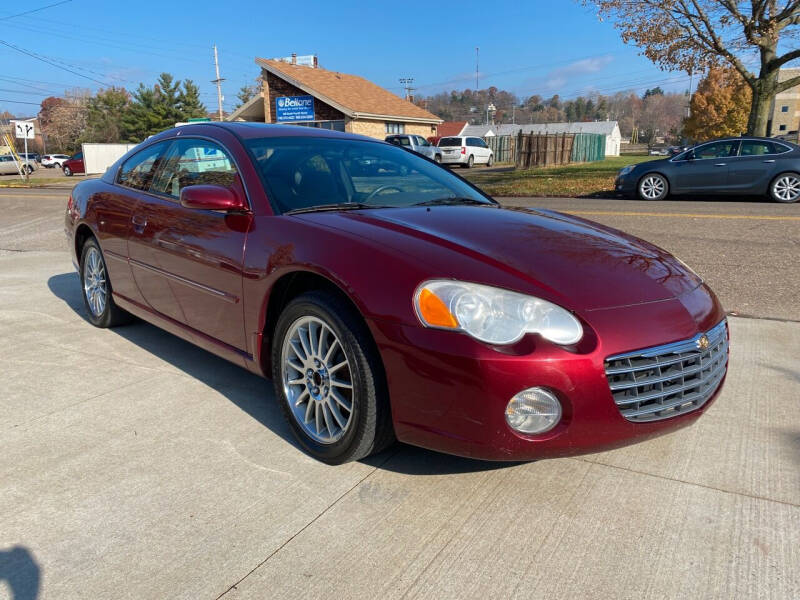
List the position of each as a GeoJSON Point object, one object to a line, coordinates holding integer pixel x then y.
{"type": "Point", "coordinates": [450, 141]}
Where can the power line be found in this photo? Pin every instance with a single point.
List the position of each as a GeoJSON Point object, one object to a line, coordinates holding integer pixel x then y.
{"type": "Point", "coordinates": [27, 12]}
{"type": "Point", "coordinates": [53, 64]}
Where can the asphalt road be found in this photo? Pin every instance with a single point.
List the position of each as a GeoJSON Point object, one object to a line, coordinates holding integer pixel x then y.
{"type": "Point", "coordinates": [135, 465]}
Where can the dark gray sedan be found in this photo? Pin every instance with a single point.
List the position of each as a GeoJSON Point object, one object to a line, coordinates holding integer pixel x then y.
{"type": "Point", "coordinates": [744, 166]}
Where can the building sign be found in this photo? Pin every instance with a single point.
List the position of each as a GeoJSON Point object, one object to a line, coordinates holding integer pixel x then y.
{"type": "Point", "coordinates": [290, 109]}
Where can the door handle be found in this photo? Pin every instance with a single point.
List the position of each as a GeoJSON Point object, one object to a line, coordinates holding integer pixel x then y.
{"type": "Point", "coordinates": [720, 164]}
{"type": "Point", "coordinates": [770, 161]}
{"type": "Point", "coordinates": [139, 223]}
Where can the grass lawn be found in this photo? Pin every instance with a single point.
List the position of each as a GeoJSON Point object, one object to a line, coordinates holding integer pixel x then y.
{"type": "Point", "coordinates": [583, 179]}
{"type": "Point", "coordinates": [16, 182]}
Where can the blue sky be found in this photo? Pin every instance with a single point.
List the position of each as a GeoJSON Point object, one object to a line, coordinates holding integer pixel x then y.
{"type": "Point", "coordinates": [535, 47]}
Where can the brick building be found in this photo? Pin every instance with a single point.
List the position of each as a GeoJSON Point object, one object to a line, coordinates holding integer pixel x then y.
{"type": "Point", "coordinates": [305, 94]}
{"type": "Point", "coordinates": [785, 118]}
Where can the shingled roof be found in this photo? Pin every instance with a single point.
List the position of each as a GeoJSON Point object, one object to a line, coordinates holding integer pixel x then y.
{"type": "Point", "coordinates": [353, 95]}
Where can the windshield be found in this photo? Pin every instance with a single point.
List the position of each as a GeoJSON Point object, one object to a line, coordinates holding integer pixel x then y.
{"type": "Point", "coordinates": [303, 172]}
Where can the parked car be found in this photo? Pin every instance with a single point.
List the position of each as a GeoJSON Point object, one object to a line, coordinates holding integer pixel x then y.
{"type": "Point", "coordinates": [658, 151]}
{"type": "Point", "coordinates": [50, 161]}
{"type": "Point", "coordinates": [675, 150]}
{"type": "Point", "coordinates": [74, 164]}
{"type": "Point", "coordinates": [8, 166]}
{"type": "Point", "coordinates": [465, 151]}
{"type": "Point", "coordinates": [33, 157]}
{"type": "Point", "coordinates": [396, 306]}
{"type": "Point", "coordinates": [744, 165]}
{"type": "Point", "coordinates": [418, 144]}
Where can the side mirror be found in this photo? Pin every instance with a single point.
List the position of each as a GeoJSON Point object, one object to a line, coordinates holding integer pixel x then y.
{"type": "Point", "coordinates": [211, 197]}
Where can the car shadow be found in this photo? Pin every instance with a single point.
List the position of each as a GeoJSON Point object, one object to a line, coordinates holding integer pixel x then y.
{"type": "Point", "coordinates": [20, 572]}
{"type": "Point", "coordinates": [238, 385]}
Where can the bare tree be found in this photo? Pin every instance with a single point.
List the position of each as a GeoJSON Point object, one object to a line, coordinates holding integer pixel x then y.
{"type": "Point", "coordinates": [693, 35]}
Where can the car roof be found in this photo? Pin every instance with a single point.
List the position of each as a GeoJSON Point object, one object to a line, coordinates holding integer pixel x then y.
{"type": "Point", "coordinates": [250, 130]}
{"type": "Point", "coordinates": [754, 138]}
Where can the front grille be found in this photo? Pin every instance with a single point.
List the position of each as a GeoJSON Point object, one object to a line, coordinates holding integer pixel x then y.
{"type": "Point", "coordinates": [667, 381]}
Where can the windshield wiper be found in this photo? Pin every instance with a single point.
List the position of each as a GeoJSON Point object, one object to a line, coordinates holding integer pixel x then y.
{"type": "Point", "coordinates": [330, 207]}
{"type": "Point", "coordinates": [453, 200]}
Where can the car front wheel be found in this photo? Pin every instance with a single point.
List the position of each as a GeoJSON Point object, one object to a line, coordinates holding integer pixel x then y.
{"type": "Point", "coordinates": [329, 380]}
{"type": "Point", "coordinates": [785, 188]}
{"type": "Point", "coordinates": [490, 162]}
{"type": "Point", "coordinates": [437, 159]}
{"type": "Point", "coordinates": [67, 171]}
{"type": "Point", "coordinates": [653, 187]}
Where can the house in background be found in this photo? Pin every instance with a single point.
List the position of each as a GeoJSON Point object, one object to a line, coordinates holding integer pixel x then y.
{"type": "Point", "coordinates": [785, 118]}
{"type": "Point", "coordinates": [297, 91]}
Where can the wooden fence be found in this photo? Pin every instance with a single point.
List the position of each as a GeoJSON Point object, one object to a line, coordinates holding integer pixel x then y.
{"type": "Point", "coordinates": [526, 150]}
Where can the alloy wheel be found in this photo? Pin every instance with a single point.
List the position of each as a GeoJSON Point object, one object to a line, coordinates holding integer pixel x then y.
{"type": "Point", "coordinates": [94, 282]}
{"type": "Point", "coordinates": [317, 380]}
{"type": "Point", "coordinates": [652, 187]}
{"type": "Point", "coordinates": [787, 188]}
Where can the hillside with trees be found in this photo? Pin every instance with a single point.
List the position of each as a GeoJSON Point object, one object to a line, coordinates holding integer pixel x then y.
{"type": "Point", "coordinates": [653, 114]}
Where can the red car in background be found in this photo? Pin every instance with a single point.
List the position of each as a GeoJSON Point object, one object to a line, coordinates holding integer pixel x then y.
{"type": "Point", "coordinates": [388, 298]}
{"type": "Point", "coordinates": [73, 165]}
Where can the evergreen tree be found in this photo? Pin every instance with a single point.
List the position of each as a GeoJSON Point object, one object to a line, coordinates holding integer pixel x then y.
{"type": "Point", "coordinates": [189, 102]}
{"type": "Point", "coordinates": [104, 116]}
{"type": "Point", "coordinates": [247, 93]}
{"type": "Point", "coordinates": [158, 108]}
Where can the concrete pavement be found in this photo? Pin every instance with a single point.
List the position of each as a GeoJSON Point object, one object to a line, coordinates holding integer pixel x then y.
{"type": "Point", "coordinates": [135, 465]}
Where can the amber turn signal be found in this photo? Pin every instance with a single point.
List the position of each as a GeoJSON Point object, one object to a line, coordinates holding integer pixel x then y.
{"type": "Point", "coordinates": [433, 311]}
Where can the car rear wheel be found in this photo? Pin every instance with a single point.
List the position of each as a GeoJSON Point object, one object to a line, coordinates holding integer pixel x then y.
{"type": "Point", "coordinates": [100, 306]}
{"type": "Point", "coordinates": [653, 187]}
{"type": "Point", "coordinates": [67, 171]}
{"type": "Point", "coordinates": [437, 159]}
{"type": "Point", "coordinates": [469, 163]}
{"type": "Point", "coordinates": [329, 380]}
{"type": "Point", "coordinates": [28, 169]}
{"type": "Point", "coordinates": [785, 188]}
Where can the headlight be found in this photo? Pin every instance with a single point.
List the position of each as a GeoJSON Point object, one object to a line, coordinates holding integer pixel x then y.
{"type": "Point", "coordinates": [626, 170]}
{"type": "Point", "coordinates": [493, 315]}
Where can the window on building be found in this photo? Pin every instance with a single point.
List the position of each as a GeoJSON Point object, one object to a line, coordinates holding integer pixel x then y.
{"type": "Point", "coordinates": [332, 125]}
{"type": "Point", "coordinates": [782, 128]}
{"type": "Point", "coordinates": [784, 109]}
{"type": "Point", "coordinates": [395, 127]}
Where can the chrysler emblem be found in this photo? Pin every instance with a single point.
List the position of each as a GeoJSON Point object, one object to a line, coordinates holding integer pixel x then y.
{"type": "Point", "coordinates": [703, 343]}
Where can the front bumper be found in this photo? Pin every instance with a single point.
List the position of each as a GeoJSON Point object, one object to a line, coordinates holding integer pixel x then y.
{"type": "Point", "coordinates": [625, 184]}
{"type": "Point", "coordinates": [449, 392]}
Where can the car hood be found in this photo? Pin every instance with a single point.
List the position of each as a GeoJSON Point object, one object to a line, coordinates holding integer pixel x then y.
{"type": "Point", "coordinates": [581, 264]}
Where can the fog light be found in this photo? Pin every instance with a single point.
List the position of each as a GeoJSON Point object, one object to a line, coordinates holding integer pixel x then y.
{"type": "Point", "coordinates": [534, 410]}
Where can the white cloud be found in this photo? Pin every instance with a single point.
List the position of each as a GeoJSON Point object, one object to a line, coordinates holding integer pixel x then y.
{"type": "Point", "coordinates": [558, 78]}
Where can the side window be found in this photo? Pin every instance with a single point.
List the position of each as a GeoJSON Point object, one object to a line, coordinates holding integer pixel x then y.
{"type": "Point", "coordinates": [716, 150]}
{"type": "Point", "coordinates": [194, 162]}
{"type": "Point", "coordinates": [754, 148]}
{"type": "Point", "coordinates": [403, 141]}
{"type": "Point", "coordinates": [422, 141]}
{"type": "Point", "coordinates": [137, 171]}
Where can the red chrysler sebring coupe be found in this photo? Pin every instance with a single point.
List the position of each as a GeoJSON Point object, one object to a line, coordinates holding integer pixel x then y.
{"type": "Point", "coordinates": [387, 298]}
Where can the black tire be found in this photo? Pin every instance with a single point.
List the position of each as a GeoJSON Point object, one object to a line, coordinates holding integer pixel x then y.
{"type": "Point", "coordinates": [370, 427]}
{"type": "Point", "coordinates": [790, 181]}
{"type": "Point", "coordinates": [67, 171]}
{"type": "Point", "coordinates": [652, 187]}
{"type": "Point", "coordinates": [111, 315]}
{"type": "Point", "coordinates": [469, 163]}
{"type": "Point", "coordinates": [437, 159]}
{"type": "Point", "coordinates": [490, 162]}
{"type": "Point", "coordinates": [28, 169]}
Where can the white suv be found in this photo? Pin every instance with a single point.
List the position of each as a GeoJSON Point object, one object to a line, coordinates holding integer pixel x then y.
{"type": "Point", "coordinates": [53, 160]}
{"type": "Point", "coordinates": [465, 151]}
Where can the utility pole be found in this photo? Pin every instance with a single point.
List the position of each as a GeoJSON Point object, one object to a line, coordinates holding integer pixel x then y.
{"type": "Point", "coordinates": [218, 81]}
{"type": "Point", "coordinates": [689, 103]}
{"type": "Point", "coordinates": [477, 60]}
{"type": "Point", "coordinates": [407, 83]}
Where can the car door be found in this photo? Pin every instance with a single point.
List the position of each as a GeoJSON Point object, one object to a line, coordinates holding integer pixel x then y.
{"type": "Point", "coordinates": [114, 210]}
{"type": "Point", "coordinates": [7, 165]}
{"type": "Point", "coordinates": [754, 168]}
{"type": "Point", "coordinates": [707, 171]}
{"type": "Point", "coordinates": [188, 262]}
